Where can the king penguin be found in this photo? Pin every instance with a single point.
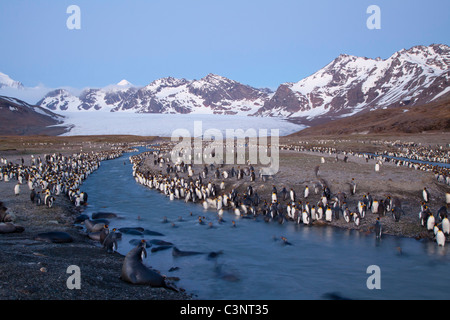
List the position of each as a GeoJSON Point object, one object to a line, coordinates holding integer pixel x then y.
{"type": "Point", "coordinates": [396, 213]}
{"type": "Point", "coordinates": [356, 218]}
{"type": "Point", "coordinates": [347, 215]}
{"type": "Point", "coordinates": [440, 238]}
{"type": "Point", "coordinates": [274, 197]}
{"type": "Point", "coordinates": [305, 217]}
{"type": "Point", "coordinates": [430, 222]}
{"type": "Point", "coordinates": [292, 195]}
{"type": "Point", "coordinates": [375, 206]}
{"type": "Point", "coordinates": [328, 214]}
{"type": "Point", "coordinates": [17, 189]}
{"type": "Point", "coordinates": [445, 226]}
{"type": "Point", "coordinates": [306, 193]}
{"type": "Point", "coordinates": [425, 195]}
{"type": "Point", "coordinates": [353, 187]}
{"type": "Point", "coordinates": [377, 167]}
{"type": "Point", "coordinates": [378, 228]}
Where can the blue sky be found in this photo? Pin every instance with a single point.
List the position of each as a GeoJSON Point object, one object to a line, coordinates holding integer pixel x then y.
{"type": "Point", "coordinates": [262, 43]}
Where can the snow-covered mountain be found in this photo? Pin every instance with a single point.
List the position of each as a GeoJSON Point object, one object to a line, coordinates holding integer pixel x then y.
{"type": "Point", "coordinates": [7, 82]}
{"type": "Point", "coordinates": [350, 84]}
{"type": "Point", "coordinates": [105, 99]}
{"type": "Point", "coordinates": [212, 94]}
{"type": "Point", "coordinates": [345, 86]}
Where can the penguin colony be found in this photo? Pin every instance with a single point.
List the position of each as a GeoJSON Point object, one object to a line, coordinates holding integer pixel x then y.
{"type": "Point", "coordinates": [181, 181]}
{"type": "Point", "coordinates": [54, 175]}
{"type": "Point", "coordinates": [410, 153]}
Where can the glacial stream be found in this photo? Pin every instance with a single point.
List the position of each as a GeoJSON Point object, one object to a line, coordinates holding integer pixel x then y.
{"type": "Point", "coordinates": [255, 264]}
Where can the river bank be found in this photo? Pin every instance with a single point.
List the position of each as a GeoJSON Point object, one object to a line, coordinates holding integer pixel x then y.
{"type": "Point", "coordinates": [36, 270]}
{"type": "Point", "coordinates": [300, 169]}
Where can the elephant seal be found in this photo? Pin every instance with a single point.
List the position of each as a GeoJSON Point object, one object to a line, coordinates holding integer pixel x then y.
{"type": "Point", "coordinates": [158, 242]}
{"type": "Point", "coordinates": [126, 230]}
{"type": "Point", "coordinates": [152, 233]}
{"type": "Point", "coordinates": [101, 235]}
{"type": "Point", "coordinates": [178, 253]}
{"type": "Point", "coordinates": [81, 218]}
{"type": "Point", "coordinates": [160, 248]}
{"type": "Point", "coordinates": [54, 237]}
{"type": "Point", "coordinates": [9, 227]}
{"type": "Point", "coordinates": [104, 215]}
{"type": "Point", "coordinates": [135, 272]}
{"type": "Point", "coordinates": [136, 231]}
{"type": "Point", "coordinates": [94, 235]}
{"type": "Point", "coordinates": [91, 226]}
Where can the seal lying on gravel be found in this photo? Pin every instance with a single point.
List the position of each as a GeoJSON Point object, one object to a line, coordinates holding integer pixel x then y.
{"type": "Point", "coordinates": [134, 271]}
{"type": "Point", "coordinates": [10, 228]}
{"type": "Point", "coordinates": [5, 216]}
{"type": "Point", "coordinates": [54, 237]}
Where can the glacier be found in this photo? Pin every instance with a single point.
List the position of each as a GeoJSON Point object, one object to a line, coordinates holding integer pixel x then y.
{"type": "Point", "coordinates": [163, 125]}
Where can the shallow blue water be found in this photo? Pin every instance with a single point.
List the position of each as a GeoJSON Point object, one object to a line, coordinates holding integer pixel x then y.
{"type": "Point", "coordinates": [439, 164]}
{"type": "Point", "coordinates": [320, 261]}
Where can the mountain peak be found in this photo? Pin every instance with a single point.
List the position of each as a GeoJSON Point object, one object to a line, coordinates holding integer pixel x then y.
{"type": "Point", "coordinates": [6, 81]}
{"type": "Point", "coordinates": [350, 84]}
{"type": "Point", "coordinates": [124, 83]}
{"type": "Point", "coordinates": [212, 76]}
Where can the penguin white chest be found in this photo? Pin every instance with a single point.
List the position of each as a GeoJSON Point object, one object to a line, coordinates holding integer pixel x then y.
{"type": "Point", "coordinates": [440, 238]}
{"type": "Point", "coordinates": [305, 217]}
{"type": "Point", "coordinates": [430, 222]}
{"type": "Point", "coordinates": [274, 197]}
{"type": "Point", "coordinates": [445, 226]}
{"type": "Point", "coordinates": [328, 215]}
{"type": "Point", "coordinates": [425, 195]}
